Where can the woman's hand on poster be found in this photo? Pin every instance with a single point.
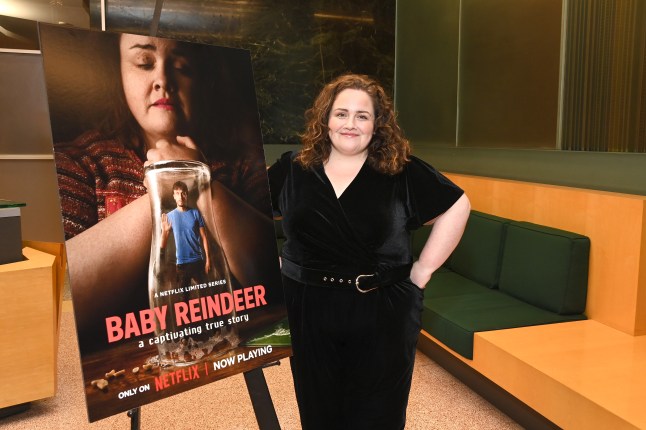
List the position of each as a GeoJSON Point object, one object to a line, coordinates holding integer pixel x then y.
{"type": "Point", "coordinates": [183, 149]}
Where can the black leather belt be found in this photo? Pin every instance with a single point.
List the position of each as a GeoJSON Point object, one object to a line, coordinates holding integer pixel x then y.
{"type": "Point", "coordinates": [364, 282]}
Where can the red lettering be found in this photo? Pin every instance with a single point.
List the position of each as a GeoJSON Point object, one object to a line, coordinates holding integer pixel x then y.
{"type": "Point", "coordinates": [113, 326]}
{"type": "Point", "coordinates": [194, 307]}
{"type": "Point", "coordinates": [226, 300]}
{"type": "Point", "coordinates": [147, 321]}
{"type": "Point", "coordinates": [161, 317]}
{"type": "Point", "coordinates": [213, 304]}
{"type": "Point", "coordinates": [161, 382]}
{"type": "Point", "coordinates": [259, 291]}
{"type": "Point", "coordinates": [205, 310]}
{"type": "Point", "coordinates": [132, 328]}
{"type": "Point", "coordinates": [237, 294]}
{"type": "Point", "coordinates": [248, 298]}
{"type": "Point", "coordinates": [181, 309]}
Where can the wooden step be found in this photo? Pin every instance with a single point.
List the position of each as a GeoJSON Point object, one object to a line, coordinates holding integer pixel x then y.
{"type": "Point", "coordinates": [579, 375]}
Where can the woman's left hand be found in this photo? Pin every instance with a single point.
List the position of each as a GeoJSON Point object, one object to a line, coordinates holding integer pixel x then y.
{"type": "Point", "coordinates": [446, 233]}
{"type": "Point", "coordinates": [183, 149]}
{"type": "Point", "coordinates": [420, 275]}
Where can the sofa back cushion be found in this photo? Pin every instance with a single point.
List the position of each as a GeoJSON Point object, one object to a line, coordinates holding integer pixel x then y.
{"type": "Point", "coordinates": [546, 267]}
{"type": "Point", "coordinates": [418, 239]}
{"type": "Point", "coordinates": [479, 253]}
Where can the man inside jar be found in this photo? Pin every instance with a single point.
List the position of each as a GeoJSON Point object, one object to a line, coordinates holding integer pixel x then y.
{"type": "Point", "coordinates": [191, 244]}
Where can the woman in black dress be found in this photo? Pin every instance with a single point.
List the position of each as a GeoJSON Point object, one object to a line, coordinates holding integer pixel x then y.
{"type": "Point", "coordinates": [348, 201]}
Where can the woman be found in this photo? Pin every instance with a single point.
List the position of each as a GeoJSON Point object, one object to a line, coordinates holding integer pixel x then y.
{"type": "Point", "coordinates": [163, 108]}
{"type": "Point", "coordinates": [348, 200]}
{"type": "Point", "coordinates": [162, 105]}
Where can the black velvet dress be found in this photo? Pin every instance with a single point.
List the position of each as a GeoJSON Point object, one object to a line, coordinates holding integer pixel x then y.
{"type": "Point", "coordinates": [353, 352]}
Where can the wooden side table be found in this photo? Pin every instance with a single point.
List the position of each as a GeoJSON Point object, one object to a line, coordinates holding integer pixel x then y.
{"type": "Point", "coordinates": [31, 292]}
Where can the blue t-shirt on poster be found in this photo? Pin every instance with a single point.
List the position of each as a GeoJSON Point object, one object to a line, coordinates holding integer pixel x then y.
{"type": "Point", "coordinates": [186, 231]}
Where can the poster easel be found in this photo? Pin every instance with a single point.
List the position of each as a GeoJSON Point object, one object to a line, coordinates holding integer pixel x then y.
{"type": "Point", "coordinates": [255, 379]}
{"type": "Point", "coordinates": [263, 406]}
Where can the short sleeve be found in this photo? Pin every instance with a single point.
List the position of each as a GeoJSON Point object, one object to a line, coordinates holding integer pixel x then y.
{"type": "Point", "coordinates": [277, 174]}
{"type": "Point", "coordinates": [430, 193]}
{"type": "Point", "coordinates": [200, 219]}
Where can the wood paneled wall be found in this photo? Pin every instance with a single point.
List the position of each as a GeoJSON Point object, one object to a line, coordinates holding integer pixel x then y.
{"type": "Point", "coordinates": [615, 224]}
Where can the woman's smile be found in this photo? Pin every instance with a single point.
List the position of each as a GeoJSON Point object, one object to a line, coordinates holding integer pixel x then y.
{"type": "Point", "coordinates": [350, 135]}
{"type": "Point", "coordinates": [351, 122]}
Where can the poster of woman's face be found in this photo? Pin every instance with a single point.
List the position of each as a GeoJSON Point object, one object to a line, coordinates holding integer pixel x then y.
{"type": "Point", "coordinates": [160, 285]}
{"type": "Point", "coordinates": [314, 42]}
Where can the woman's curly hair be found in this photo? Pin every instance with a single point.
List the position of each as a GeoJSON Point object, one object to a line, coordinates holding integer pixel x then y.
{"type": "Point", "coordinates": [388, 150]}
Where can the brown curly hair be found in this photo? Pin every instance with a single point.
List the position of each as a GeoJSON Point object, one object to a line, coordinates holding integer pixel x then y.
{"type": "Point", "coordinates": [388, 150]}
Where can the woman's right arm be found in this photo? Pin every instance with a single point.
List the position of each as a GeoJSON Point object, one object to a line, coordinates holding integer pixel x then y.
{"type": "Point", "coordinates": [108, 260]}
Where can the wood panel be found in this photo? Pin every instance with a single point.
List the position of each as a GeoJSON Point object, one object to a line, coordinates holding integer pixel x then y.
{"type": "Point", "coordinates": [614, 222]}
{"type": "Point", "coordinates": [579, 374]}
{"type": "Point", "coordinates": [28, 329]}
{"type": "Point", "coordinates": [640, 323]}
{"type": "Point", "coordinates": [60, 272]}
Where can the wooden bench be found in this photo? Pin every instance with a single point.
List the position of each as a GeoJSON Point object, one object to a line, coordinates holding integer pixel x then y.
{"type": "Point", "coordinates": [585, 374]}
{"type": "Point", "coordinates": [504, 274]}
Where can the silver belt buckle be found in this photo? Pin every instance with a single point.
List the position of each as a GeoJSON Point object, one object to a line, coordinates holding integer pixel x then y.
{"type": "Point", "coordinates": [356, 284]}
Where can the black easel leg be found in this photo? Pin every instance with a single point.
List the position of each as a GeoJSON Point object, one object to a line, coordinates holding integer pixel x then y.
{"type": "Point", "coordinates": [135, 418]}
{"type": "Point", "coordinates": [154, 25]}
{"type": "Point", "coordinates": [261, 400]}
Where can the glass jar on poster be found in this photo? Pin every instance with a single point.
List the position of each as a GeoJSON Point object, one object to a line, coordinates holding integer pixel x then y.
{"type": "Point", "coordinates": [188, 272]}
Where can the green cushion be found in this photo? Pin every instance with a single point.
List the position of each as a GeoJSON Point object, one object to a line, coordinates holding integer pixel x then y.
{"type": "Point", "coordinates": [278, 227]}
{"type": "Point", "coordinates": [279, 245]}
{"type": "Point", "coordinates": [418, 239]}
{"type": "Point", "coordinates": [546, 267]}
{"type": "Point", "coordinates": [445, 283]}
{"type": "Point", "coordinates": [453, 320]}
{"type": "Point", "coordinates": [479, 252]}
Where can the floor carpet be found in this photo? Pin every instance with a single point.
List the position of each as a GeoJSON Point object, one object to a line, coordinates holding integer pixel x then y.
{"type": "Point", "coordinates": [437, 401]}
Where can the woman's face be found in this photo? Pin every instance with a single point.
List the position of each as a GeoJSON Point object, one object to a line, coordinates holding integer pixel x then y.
{"type": "Point", "coordinates": [351, 122]}
{"type": "Point", "coordinates": [158, 85]}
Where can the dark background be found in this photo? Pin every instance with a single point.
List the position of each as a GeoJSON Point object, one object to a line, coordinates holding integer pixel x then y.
{"type": "Point", "coordinates": [295, 46]}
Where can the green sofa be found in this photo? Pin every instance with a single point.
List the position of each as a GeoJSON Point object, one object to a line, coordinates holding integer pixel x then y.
{"type": "Point", "coordinates": [504, 274]}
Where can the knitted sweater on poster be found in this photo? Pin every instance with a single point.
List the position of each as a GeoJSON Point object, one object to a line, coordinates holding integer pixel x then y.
{"type": "Point", "coordinates": [98, 176]}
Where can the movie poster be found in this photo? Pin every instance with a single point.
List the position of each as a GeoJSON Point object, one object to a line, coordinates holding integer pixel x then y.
{"type": "Point", "coordinates": [172, 257]}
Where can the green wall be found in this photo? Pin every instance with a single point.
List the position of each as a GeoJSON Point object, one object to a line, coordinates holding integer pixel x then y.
{"type": "Point", "coordinates": [617, 172]}
{"type": "Point", "coordinates": [414, 83]}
